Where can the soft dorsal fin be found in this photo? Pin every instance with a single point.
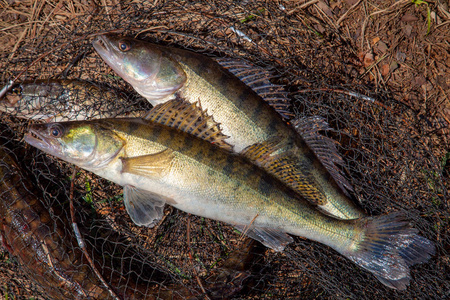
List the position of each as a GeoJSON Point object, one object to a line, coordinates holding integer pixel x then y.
{"type": "Point", "coordinates": [285, 167]}
{"type": "Point", "coordinates": [258, 79]}
{"type": "Point", "coordinates": [190, 118]}
{"type": "Point", "coordinates": [323, 147]}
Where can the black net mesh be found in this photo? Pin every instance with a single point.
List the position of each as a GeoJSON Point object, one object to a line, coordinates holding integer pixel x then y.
{"type": "Point", "coordinates": [393, 158]}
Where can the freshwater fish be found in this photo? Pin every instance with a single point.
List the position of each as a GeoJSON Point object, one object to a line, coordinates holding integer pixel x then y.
{"type": "Point", "coordinates": [201, 178]}
{"type": "Point", "coordinates": [161, 74]}
{"type": "Point", "coordinates": [55, 100]}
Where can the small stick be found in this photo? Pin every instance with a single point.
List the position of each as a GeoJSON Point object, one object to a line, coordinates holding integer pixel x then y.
{"type": "Point", "coordinates": [338, 22]}
{"type": "Point", "coordinates": [81, 242]}
{"type": "Point", "coordinates": [188, 240]}
{"type": "Point", "coordinates": [246, 228]}
{"type": "Point", "coordinates": [352, 94]}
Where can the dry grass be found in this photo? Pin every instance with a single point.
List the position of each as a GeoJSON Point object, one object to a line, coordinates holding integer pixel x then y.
{"type": "Point", "coordinates": [394, 148]}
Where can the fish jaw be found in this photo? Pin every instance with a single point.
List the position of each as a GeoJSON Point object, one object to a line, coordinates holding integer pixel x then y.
{"type": "Point", "coordinates": [37, 139]}
{"type": "Point", "coordinates": [143, 65]}
{"type": "Point", "coordinates": [79, 143]}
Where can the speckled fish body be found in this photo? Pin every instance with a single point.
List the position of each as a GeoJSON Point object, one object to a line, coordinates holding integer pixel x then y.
{"type": "Point", "coordinates": [203, 179]}
{"type": "Point", "coordinates": [65, 100]}
{"type": "Point", "coordinates": [162, 73]}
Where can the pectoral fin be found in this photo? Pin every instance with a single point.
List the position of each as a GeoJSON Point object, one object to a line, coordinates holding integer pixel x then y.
{"type": "Point", "coordinates": [269, 237]}
{"type": "Point", "coordinates": [145, 208]}
{"type": "Point", "coordinates": [152, 165]}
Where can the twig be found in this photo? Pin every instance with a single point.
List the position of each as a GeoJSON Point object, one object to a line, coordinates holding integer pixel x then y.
{"type": "Point", "coordinates": [347, 12]}
{"type": "Point", "coordinates": [81, 242]}
{"type": "Point", "coordinates": [351, 94]}
{"type": "Point", "coordinates": [188, 240]}
{"type": "Point", "coordinates": [246, 228]}
{"type": "Point", "coordinates": [387, 10]}
{"type": "Point", "coordinates": [304, 5]}
{"type": "Point", "coordinates": [373, 65]}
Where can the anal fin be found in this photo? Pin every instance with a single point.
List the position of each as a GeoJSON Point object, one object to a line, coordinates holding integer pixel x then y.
{"type": "Point", "coordinates": [145, 208]}
{"type": "Point", "coordinates": [269, 237]}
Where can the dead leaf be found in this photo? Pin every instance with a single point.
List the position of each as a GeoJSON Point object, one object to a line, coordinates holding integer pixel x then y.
{"type": "Point", "coordinates": [420, 80]}
{"type": "Point", "coordinates": [375, 40]}
{"type": "Point", "coordinates": [394, 66]}
{"type": "Point", "coordinates": [381, 47]}
{"type": "Point", "coordinates": [408, 17]}
{"type": "Point", "coordinates": [326, 9]}
{"type": "Point", "coordinates": [400, 56]}
{"type": "Point", "coordinates": [350, 2]}
{"type": "Point", "coordinates": [408, 29]}
{"type": "Point", "coordinates": [385, 69]}
{"type": "Point", "coordinates": [368, 59]}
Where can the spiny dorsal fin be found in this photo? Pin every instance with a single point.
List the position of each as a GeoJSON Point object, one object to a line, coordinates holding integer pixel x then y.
{"type": "Point", "coordinates": [258, 79]}
{"type": "Point", "coordinates": [190, 118]}
{"type": "Point", "coordinates": [323, 147]}
{"type": "Point", "coordinates": [285, 167]}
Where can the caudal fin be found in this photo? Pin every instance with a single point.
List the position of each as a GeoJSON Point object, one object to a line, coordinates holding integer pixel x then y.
{"type": "Point", "coordinates": [389, 247]}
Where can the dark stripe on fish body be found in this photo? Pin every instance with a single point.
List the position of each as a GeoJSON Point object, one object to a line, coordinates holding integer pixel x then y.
{"type": "Point", "coordinates": [228, 168]}
{"type": "Point", "coordinates": [156, 133]}
{"type": "Point", "coordinates": [264, 185]}
{"type": "Point", "coordinates": [133, 127]}
{"type": "Point", "coordinates": [187, 144]}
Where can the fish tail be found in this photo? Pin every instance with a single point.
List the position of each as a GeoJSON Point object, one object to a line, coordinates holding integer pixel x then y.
{"type": "Point", "coordinates": [389, 246]}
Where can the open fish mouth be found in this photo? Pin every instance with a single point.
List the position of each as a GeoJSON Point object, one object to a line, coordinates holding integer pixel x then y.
{"type": "Point", "coordinates": [38, 140]}
{"type": "Point", "coordinates": [101, 45]}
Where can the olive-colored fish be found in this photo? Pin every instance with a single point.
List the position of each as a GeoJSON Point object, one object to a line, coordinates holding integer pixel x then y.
{"type": "Point", "coordinates": [201, 178]}
{"type": "Point", "coordinates": [66, 100]}
{"type": "Point", "coordinates": [162, 73]}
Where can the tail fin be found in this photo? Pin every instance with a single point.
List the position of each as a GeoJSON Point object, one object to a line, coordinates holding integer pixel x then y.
{"type": "Point", "coordinates": [389, 247]}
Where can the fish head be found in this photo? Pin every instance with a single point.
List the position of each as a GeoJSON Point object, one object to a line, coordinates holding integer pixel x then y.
{"type": "Point", "coordinates": [86, 144]}
{"type": "Point", "coordinates": [145, 66]}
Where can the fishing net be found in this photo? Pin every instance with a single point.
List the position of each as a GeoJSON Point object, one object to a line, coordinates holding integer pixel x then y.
{"type": "Point", "coordinates": [395, 158]}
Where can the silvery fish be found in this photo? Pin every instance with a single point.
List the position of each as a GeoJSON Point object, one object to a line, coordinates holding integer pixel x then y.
{"type": "Point", "coordinates": [65, 100]}
{"type": "Point", "coordinates": [204, 179]}
{"type": "Point", "coordinates": [161, 74]}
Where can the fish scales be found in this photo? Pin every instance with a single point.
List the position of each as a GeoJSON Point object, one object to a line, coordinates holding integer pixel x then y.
{"type": "Point", "coordinates": [258, 122]}
{"type": "Point", "coordinates": [244, 116]}
{"type": "Point", "coordinates": [65, 100]}
{"type": "Point", "coordinates": [200, 178]}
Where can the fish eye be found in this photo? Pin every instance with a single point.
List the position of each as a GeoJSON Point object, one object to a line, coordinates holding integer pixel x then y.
{"type": "Point", "coordinates": [56, 131]}
{"type": "Point", "coordinates": [124, 46]}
